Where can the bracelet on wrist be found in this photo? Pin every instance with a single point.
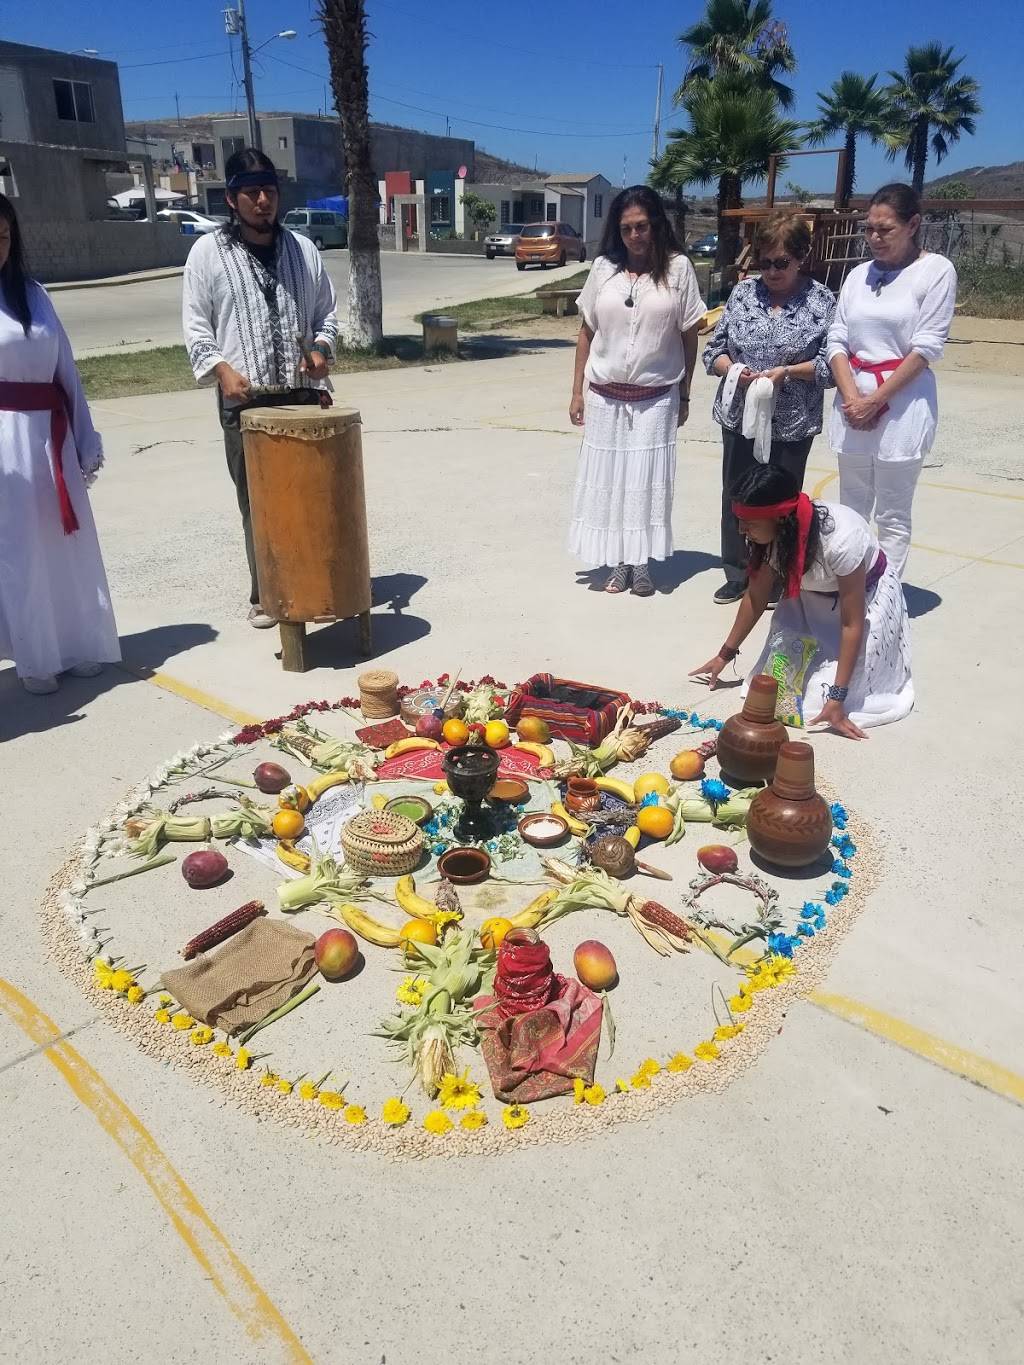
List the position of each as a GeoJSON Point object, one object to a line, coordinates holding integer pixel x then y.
{"type": "Point", "coordinates": [728, 653]}
{"type": "Point", "coordinates": [836, 693]}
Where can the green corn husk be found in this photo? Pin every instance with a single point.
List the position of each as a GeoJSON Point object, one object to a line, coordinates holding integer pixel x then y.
{"type": "Point", "coordinates": [328, 880]}
{"type": "Point", "coordinates": [320, 751]}
{"type": "Point", "coordinates": [248, 822]}
{"type": "Point", "coordinates": [280, 1012]}
{"type": "Point", "coordinates": [153, 831]}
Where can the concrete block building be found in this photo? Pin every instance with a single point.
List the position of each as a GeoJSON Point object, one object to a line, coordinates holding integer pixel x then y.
{"type": "Point", "coordinates": [577, 198]}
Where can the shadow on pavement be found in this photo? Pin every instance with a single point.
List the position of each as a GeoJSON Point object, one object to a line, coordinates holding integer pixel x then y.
{"type": "Point", "coordinates": [146, 651]}
{"type": "Point", "coordinates": [920, 601]}
{"type": "Point", "coordinates": [337, 645]}
{"type": "Point", "coordinates": [395, 590]}
{"type": "Point", "coordinates": [684, 565]}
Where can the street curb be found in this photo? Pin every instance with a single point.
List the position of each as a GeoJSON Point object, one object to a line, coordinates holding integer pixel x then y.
{"type": "Point", "coordinates": [168, 274]}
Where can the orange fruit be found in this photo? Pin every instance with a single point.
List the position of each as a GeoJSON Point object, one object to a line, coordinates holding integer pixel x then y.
{"type": "Point", "coordinates": [416, 931]}
{"type": "Point", "coordinates": [495, 734]}
{"type": "Point", "coordinates": [287, 824]}
{"type": "Point", "coordinates": [687, 765]}
{"type": "Point", "coordinates": [455, 731]}
{"type": "Point", "coordinates": [655, 821]}
{"type": "Point", "coordinates": [533, 730]}
{"type": "Point", "coordinates": [493, 931]}
{"type": "Point", "coordinates": [650, 782]}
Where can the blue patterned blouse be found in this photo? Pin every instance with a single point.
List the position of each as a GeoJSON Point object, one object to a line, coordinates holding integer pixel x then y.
{"type": "Point", "coordinates": [750, 332]}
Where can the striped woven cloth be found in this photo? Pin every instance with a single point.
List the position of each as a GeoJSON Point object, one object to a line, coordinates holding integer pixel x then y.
{"type": "Point", "coordinates": [629, 393]}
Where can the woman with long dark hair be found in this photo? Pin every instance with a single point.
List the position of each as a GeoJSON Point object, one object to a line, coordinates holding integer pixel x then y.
{"type": "Point", "coordinates": [838, 640]}
{"type": "Point", "coordinates": [637, 345]}
{"type": "Point", "coordinates": [55, 613]}
{"type": "Point", "coordinates": [890, 327]}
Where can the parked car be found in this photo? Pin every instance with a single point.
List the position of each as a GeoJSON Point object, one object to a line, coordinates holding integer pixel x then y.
{"type": "Point", "coordinates": [321, 226]}
{"type": "Point", "coordinates": [503, 241]}
{"type": "Point", "coordinates": [704, 246]}
{"type": "Point", "coordinates": [549, 244]}
{"type": "Point", "coordinates": [188, 220]}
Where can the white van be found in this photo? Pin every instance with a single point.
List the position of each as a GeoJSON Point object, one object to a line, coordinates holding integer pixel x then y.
{"type": "Point", "coordinates": [322, 227]}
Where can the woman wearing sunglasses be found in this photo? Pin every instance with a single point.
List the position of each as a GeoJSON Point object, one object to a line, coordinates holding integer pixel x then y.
{"type": "Point", "coordinates": [773, 328]}
{"type": "Point", "coordinates": [890, 327]}
{"type": "Point", "coordinates": [637, 346]}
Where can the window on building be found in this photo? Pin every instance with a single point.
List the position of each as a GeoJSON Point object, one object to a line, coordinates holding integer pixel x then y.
{"type": "Point", "coordinates": [74, 101]}
{"type": "Point", "coordinates": [506, 211]}
{"type": "Point", "coordinates": [440, 208]}
{"type": "Point", "coordinates": [598, 205]}
{"type": "Point", "coordinates": [282, 144]}
{"type": "Point", "coordinates": [551, 213]}
{"type": "Point", "coordinates": [517, 211]}
{"type": "Point", "coordinates": [231, 145]}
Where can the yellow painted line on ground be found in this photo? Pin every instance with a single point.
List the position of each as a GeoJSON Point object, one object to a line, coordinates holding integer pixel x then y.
{"type": "Point", "coordinates": [193, 694]}
{"type": "Point", "coordinates": [822, 484]}
{"type": "Point", "coordinates": [230, 1277]}
{"type": "Point", "coordinates": [972, 1067]}
{"type": "Point", "coordinates": [973, 559]}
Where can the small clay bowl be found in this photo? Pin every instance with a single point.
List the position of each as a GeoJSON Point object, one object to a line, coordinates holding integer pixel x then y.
{"type": "Point", "coordinates": [509, 791]}
{"type": "Point", "coordinates": [414, 808]}
{"type": "Point", "coordinates": [529, 822]}
{"type": "Point", "coordinates": [464, 866]}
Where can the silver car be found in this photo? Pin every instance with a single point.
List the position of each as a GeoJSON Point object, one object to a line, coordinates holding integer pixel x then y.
{"type": "Point", "coordinates": [502, 242]}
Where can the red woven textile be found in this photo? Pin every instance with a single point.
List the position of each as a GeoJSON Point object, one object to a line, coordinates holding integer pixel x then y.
{"type": "Point", "coordinates": [629, 393]}
{"type": "Point", "coordinates": [537, 1055]}
{"type": "Point", "coordinates": [550, 699]}
{"type": "Point", "coordinates": [49, 398]}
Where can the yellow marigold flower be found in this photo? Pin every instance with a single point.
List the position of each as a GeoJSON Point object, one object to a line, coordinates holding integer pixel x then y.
{"type": "Point", "coordinates": [782, 967]}
{"type": "Point", "coordinates": [578, 1087]}
{"type": "Point", "coordinates": [395, 1112]}
{"type": "Point", "coordinates": [437, 1122]}
{"type": "Point", "coordinates": [411, 991]}
{"type": "Point", "coordinates": [354, 1114]}
{"type": "Point", "coordinates": [268, 1079]}
{"type": "Point", "coordinates": [330, 1099]}
{"type": "Point", "coordinates": [640, 1080]}
{"type": "Point", "coordinates": [475, 1119]}
{"type": "Point", "coordinates": [649, 1067]}
{"type": "Point", "coordinates": [680, 1062]}
{"type": "Point", "coordinates": [284, 1087]}
{"type": "Point", "coordinates": [162, 1016]}
{"type": "Point", "coordinates": [724, 1031]}
{"type": "Point", "coordinates": [706, 1052]}
{"type": "Point", "coordinates": [458, 1092]}
{"type": "Point", "coordinates": [121, 981]}
{"type": "Point", "coordinates": [102, 971]}
{"type": "Point", "coordinates": [515, 1115]}
{"type": "Point", "coordinates": [594, 1094]}
{"type": "Point", "coordinates": [621, 1085]}
{"type": "Point", "coordinates": [308, 1090]}
{"type": "Point", "coordinates": [165, 1000]}
{"type": "Point", "coordinates": [443, 918]}
{"type": "Point", "coordinates": [243, 1059]}
{"type": "Point", "coordinates": [201, 1036]}
{"type": "Point", "coordinates": [135, 995]}
{"type": "Point", "coordinates": [739, 1004]}
{"type": "Point", "coordinates": [222, 1049]}
{"type": "Point", "coordinates": [183, 1021]}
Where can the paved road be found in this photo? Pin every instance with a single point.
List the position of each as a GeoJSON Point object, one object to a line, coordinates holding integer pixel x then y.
{"type": "Point", "coordinates": [133, 316]}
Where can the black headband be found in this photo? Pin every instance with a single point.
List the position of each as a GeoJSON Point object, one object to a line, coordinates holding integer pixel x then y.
{"type": "Point", "coordinates": [247, 180]}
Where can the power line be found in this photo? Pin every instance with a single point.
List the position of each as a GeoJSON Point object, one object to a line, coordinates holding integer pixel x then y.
{"type": "Point", "coordinates": [170, 61]}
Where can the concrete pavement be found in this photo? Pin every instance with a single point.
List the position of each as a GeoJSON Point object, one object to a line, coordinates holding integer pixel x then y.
{"type": "Point", "coordinates": [845, 1201]}
{"type": "Point", "coordinates": [126, 317]}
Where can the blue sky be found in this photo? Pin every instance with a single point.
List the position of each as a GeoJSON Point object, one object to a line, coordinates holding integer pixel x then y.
{"type": "Point", "coordinates": [576, 93]}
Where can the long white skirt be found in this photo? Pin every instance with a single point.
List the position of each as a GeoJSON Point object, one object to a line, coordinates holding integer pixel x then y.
{"type": "Point", "coordinates": [622, 503]}
{"type": "Point", "coordinates": [881, 689]}
{"type": "Point", "coordinates": [55, 607]}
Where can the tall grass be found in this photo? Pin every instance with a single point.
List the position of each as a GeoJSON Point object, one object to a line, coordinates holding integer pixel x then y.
{"type": "Point", "coordinates": [988, 290]}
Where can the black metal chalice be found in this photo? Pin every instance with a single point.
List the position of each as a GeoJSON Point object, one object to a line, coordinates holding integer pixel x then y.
{"type": "Point", "coordinates": [470, 772]}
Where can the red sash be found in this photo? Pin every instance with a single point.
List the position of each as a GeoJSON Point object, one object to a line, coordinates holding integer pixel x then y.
{"type": "Point", "coordinates": [49, 398]}
{"type": "Point", "coordinates": [880, 369]}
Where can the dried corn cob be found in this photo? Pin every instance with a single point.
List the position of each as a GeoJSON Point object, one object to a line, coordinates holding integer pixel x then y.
{"type": "Point", "coordinates": [224, 929]}
{"type": "Point", "coordinates": [663, 930]}
{"type": "Point", "coordinates": [447, 898]}
{"type": "Point", "coordinates": [658, 728]}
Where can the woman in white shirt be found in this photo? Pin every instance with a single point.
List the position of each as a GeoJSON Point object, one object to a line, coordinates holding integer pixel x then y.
{"type": "Point", "coordinates": [890, 327]}
{"type": "Point", "coordinates": [637, 346]}
{"type": "Point", "coordinates": [838, 642]}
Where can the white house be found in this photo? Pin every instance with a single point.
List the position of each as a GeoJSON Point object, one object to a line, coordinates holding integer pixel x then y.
{"type": "Point", "coordinates": [579, 199]}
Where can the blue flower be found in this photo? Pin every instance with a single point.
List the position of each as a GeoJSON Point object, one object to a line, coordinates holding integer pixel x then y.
{"type": "Point", "coordinates": [838, 811]}
{"type": "Point", "coordinates": [714, 791]}
{"type": "Point", "coordinates": [431, 827]}
{"type": "Point", "coordinates": [651, 799]}
{"type": "Point", "coordinates": [831, 898]}
{"type": "Point", "coordinates": [782, 944]}
{"type": "Point", "coordinates": [718, 724]}
{"type": "Point", "coordinates": [841, 870]}
{"type": "Point", "coordinates": [805, 931]}
{"type": "Point", "coordinates": [695, 719]}
{"type": "Point", "coordinates": [437, 848]}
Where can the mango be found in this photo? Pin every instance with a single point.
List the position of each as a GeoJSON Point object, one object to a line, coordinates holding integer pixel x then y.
{"type": "Point", "coordinates": [595, 965]}
{"type": "Point", "coordinates": [718, 858]}
{"type": "Point", "coordinates": [336, 953]}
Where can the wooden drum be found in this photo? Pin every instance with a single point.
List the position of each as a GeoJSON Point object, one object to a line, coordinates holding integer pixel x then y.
{"type": "Point", "coordinates": [304, 467]}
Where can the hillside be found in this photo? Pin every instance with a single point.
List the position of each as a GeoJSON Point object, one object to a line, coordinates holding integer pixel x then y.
{"type": "Point", "coordinates": [986, 182]}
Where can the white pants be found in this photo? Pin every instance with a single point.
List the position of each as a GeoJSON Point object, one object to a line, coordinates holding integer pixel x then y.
{"type": "Point", "coordinates": [886, 489]}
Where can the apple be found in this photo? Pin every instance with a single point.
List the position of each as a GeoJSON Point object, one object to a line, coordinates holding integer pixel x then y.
{"type": "Point", "coordinates": [595, 965]}
{"type": "Point", "coordinates": [429, 727]}
{"type": "Point", "coordinates": [336, 953]}
{"type": "Point", "coordinates": [270, 778]}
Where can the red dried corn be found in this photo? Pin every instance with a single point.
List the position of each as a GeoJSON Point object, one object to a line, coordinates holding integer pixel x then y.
{"type": "Point", "coordinates": [656, 915]}
{"type": "Point", "coordinates": [224, 929]}
{"type": "Point", "coordinates": [658, 729]}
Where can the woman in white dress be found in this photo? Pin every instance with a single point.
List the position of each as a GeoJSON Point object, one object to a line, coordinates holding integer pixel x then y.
{"type": "Point", "coordinates": [55, 613]}
{"type": "Point", "coordinates": [890, 327]}
{"type": "Point", "coordinates": [637, 346]}
{"type": "Point", "coordinates": [838, 641]}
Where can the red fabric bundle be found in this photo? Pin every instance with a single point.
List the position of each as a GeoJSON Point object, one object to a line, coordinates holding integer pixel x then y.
{"type": "Point", "coordinates": [572, 710]}
{"type": "Point", "coordinates": [523, 980]}
{"type": "Point", "coordinates": [537, 1055]}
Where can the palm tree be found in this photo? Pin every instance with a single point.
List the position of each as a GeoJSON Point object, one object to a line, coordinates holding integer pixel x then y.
{"type": "Point", "coordinates": [734, 127]}
{"type": "Point", "coordinates": [344, 26]}
{"type": "Point", "coordinates": [852, 106]}
{"type": "Point", "coordinates": [738, 36]}
{"type": "Point", "coordinates": [928, 97]}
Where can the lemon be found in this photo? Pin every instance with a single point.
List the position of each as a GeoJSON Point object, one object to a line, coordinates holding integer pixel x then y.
{"type": "Point", "coordinates": [651, 782]}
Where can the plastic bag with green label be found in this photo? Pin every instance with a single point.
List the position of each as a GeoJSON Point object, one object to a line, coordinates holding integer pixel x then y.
{"type": "Point", "coordinates": [789, 659]}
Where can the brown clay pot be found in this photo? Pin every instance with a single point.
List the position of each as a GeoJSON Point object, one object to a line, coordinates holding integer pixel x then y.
{"type": "Point", "coordinates": [749, 741]}
{"type": "Point", "coordinates": [582, 794]}
{"type": "Point", "coordinates": [788, 823]}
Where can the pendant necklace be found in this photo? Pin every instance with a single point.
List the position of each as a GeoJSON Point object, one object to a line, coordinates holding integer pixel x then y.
{"type": "Point", "coordinates": [630, 301]}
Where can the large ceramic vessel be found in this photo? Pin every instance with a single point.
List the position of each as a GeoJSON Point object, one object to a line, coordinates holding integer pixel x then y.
{"type": "Point", "coordinates": [749, 742]}
{"type": "Point", "coordinates": [788, 823]}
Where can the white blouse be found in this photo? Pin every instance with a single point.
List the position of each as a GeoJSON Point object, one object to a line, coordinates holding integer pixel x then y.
{"type": "Point", "coordinates": [841, 551]}
{"type": "Point", "coordinates": [885, 317]}
{"type": "Point", "coordinates": [643, 344]}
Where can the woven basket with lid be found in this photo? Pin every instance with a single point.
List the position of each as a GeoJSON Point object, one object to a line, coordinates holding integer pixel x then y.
{"type": "Point", "coordinates": [381, 843]}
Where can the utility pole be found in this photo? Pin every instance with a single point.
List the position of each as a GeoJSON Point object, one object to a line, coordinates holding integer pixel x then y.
{"type": "Point", "coordinates": [657, 115]}
{"type": "Point", "coordinates": [234, 23]}
{"type": "Point", "coordinates": [177, 108]}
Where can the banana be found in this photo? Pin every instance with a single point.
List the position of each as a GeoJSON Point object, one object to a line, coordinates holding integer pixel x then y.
{"type": "Point", "coordinates": [615, 786]}
{"type": "Point", "coordinates": [291, 857]}
{"type": "Point", "coordinates": [382, 935]}
{"type": "Point", "coordinates": [324, 782]}
{"type": "Point", "coordinates": [414, 905]}
{"type": "Point", "coordinates": [534, 912]}
{"type": "Point", "coordinates": [576, 827]}
{"type": "Point", "coordinates": [542, 752]}
{"type": "Point", "coordinates": [405, 746]}
{"type": "Point", "coordinates": [379, 801]}
{"type": "Point", "coordinates": [632, 836]}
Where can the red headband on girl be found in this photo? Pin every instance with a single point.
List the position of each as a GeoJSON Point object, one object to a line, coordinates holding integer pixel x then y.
{"type": "Point", "coordinates": [804, 509]}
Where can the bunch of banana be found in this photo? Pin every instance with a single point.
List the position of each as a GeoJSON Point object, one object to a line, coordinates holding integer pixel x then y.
{"type": "Point", "coordinates": [324, 783]}
{"type": "Point", "coordinates": [544, 755]}
{"type": "Point", "coordinates": [365, 926]}
{"type": "Point", "coordinates": [291, 857]}
{"type": "Point", "coordinates": [414, 905]}
{"type": "Point", "coordinates": [406, 746]}
{"type": "Point", "coordinates": [615, 786]}
{"type": "Point", "coordinates": [576, 827]}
